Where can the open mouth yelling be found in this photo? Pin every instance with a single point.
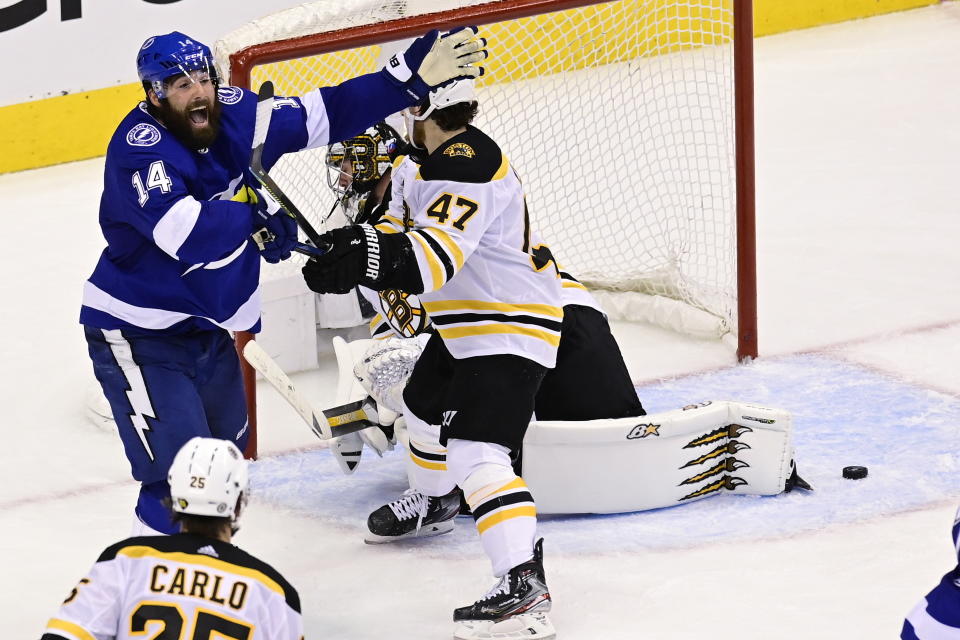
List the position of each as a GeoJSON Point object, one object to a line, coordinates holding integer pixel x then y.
{"type": "Point", "coordinates": [199, 116]}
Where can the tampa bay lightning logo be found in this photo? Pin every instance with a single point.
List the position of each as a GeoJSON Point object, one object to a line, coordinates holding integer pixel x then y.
{"type": "Point", "coordinates": [147, 43]}
{"type": "Point", "coordinates": [143, 135]}
{"type": "Point", "coordinates": [229, 95]}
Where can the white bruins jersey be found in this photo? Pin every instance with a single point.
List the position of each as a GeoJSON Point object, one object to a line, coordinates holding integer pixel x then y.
{"type": "Point", "coordinates": [181, 586]}
{"type": "Point", "coordinates": [489, 287]}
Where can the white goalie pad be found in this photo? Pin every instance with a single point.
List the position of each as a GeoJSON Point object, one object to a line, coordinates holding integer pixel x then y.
{"type": "Point", "coordinates": [347, 449]}
{"type": "Point", "coordinates": [658, 460]}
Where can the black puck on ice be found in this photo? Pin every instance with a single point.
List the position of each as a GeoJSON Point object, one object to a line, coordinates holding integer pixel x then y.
{"type": "Point", "coordinates": [854, 473]}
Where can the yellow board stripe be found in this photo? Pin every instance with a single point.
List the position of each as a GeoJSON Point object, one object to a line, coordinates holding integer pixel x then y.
{"type": "Point", "coordinates": [437, 306]}
{"type": "Point", "coordinates": [62, 625]}
{"type": "Point", "coordinates": [213, 563]}
{"type": "Point", "coordinates": [452, 247]}
{"type": "Point", "coordinates": [506, 514]}
{"type": "Point", "coordinates": [79, 125]}
{"type": "Point", "coordinates": [436, 269]}
{"type": "Point", "coordinates": [436, 466]}
{"type": "Point", "coordinates": [488, 329]}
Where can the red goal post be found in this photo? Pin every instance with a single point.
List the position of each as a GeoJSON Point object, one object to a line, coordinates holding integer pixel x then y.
{"type": "Point", "coordinates": [630, 122]}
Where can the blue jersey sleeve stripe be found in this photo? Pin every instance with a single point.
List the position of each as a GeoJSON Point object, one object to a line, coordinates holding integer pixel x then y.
{"type": "Point", "coordinates": [176, 224]}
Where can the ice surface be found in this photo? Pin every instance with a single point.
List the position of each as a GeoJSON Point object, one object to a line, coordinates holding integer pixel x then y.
{"type": "Point", "coordinates": [859, 305]}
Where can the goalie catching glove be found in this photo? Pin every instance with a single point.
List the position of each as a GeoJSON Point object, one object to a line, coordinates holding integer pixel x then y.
{"type": "Point", "coordinates": [360, 254]}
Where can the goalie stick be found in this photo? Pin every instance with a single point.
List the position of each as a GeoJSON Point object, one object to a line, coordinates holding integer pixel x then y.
{"type": "Point", "coordinates": [322, 427]}
{"type": "Point", "coordinates": [260, 128]}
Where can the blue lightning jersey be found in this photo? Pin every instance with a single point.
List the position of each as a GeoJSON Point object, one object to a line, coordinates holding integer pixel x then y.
{"type": "Point", "coordinates": [177, 222]}
{"type": "Point", "coordinates": [937, 617]}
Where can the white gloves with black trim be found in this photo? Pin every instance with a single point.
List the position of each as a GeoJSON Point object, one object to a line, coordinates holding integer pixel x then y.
{"type": "Point", "coordinates": [434, 59]}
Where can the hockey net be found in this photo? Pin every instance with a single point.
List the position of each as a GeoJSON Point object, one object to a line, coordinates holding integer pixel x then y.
{"type": "Point", "coordinates": [629, 122]}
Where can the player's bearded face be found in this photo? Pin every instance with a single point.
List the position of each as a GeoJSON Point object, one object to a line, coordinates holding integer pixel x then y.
{"type": "Point", "coordinates": [191, 110]}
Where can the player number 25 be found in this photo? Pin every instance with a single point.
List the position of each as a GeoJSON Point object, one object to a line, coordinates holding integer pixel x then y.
{"type": "Point", "coordinates": [207, 626]}
{"type": "Point", "coordinates": [440, 209]}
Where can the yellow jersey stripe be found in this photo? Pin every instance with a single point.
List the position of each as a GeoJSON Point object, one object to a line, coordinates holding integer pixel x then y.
{"type": "Point", "coordinates": [473, 498]}
{"type": "Point", "coordinates": [386, 228]}
{"type": "Point", "coordinates": [452, 247]}
{"type": "Point", "coordinates": [487, 329]}
{"type": "Point", "coordinates": [76, 630]}
{"type": "Point", "coordinates": [397, 222]}
{"type": "Point", "coordinates": [399, 159]}
{"type": "Point", "coordinates": [494, 519]}
{"type": "Point", "coordinates": [427, 464]}
{"type": "Point", "coordinates": [570, 284]}
{"type": "Point", "coordinates": [195, 559]}
{"type": "Point", "coordinates": [436, 306]}
{"type": "Point", "coordinates": [504, 167]}
{"type": "Point", "coordinates": [436, 268]}
{"type": "Point", "coordinates": [377, 319]}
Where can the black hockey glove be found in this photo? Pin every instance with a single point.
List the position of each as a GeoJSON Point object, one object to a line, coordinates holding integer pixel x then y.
{"type": "Point", "coordinates": [362, 255]}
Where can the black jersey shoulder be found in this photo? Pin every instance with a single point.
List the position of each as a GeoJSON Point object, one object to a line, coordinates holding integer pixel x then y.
{"type": "Point", "coordinates": [471, 156]}
{"type": "Point", "coordinates": [209, 548]}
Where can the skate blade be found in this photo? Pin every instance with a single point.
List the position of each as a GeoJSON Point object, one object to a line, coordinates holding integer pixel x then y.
{"type": "Point", "coordinates": [529, 626]}
{"type": "Point", "coordinates": [426, 531]}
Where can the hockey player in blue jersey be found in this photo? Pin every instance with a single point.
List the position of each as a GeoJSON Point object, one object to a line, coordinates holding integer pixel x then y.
{"type": "Point", "coordinates": [937, 616]}
{"type": "Point", "coordinates": [178, 211]}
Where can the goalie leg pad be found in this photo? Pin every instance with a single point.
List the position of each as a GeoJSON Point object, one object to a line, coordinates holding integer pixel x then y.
{"type": "Point", "coordinates": [659, 460]}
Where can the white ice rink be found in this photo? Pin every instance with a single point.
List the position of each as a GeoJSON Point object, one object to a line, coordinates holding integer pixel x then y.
{"type": "Point", "coordinates": [858, 161]}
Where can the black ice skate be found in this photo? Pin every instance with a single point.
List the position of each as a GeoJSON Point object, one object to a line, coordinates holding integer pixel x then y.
{"type": "Point", "coordinates": [515, 607]}
{"type": "Point", "coordinates": [413, 515]}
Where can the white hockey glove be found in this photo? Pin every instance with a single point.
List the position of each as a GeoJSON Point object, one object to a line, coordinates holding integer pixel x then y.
{"type": "Point", "coordinates": [384, 370]}
{"type": "Point", "coordinates": [434, 59]}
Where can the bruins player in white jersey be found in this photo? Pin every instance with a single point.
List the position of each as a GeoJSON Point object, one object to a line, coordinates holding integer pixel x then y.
{"type": "Point", "coordinates": [194, 584]}
{"type": "Point", "coordinates": [368, 174]}
{"type": "Point", "coordinates": [497, 311]}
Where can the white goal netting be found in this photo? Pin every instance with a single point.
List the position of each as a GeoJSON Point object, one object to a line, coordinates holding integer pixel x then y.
{"type": "Point", "coordinates": [618, 116]}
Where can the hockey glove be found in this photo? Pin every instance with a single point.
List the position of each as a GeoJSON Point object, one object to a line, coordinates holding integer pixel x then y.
{"type": "Point", "coordinates": [277, 232]}
{"type": "Point", "coordinates": [354, 258]}
{"type": "Point", "coordinates": [434, 59]}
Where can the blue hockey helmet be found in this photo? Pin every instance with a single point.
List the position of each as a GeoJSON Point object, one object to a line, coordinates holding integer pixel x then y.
{"type": "Point", "coordinates": [172, 54]}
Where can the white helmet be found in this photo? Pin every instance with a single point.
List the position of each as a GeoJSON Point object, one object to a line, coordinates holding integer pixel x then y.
{"type": "Point", "coordinates": [209, 477]}
{"type": "Point", "coordinates": [449, 94]}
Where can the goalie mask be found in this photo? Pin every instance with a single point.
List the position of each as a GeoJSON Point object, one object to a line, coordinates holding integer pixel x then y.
{"type": "Point", "coordinates": [357, 164]}
{"type": "Point", "coordinates": [208, 477]}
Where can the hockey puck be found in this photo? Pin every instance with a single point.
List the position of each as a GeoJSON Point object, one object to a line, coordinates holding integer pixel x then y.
{"type": "Point", "coordinates": [854, 473]}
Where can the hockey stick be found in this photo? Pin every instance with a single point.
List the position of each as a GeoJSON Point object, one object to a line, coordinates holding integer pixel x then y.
{"type": "Point", "coordinates": [261, 125]}
{"type": "Point", "coordinates": [322, 427]}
